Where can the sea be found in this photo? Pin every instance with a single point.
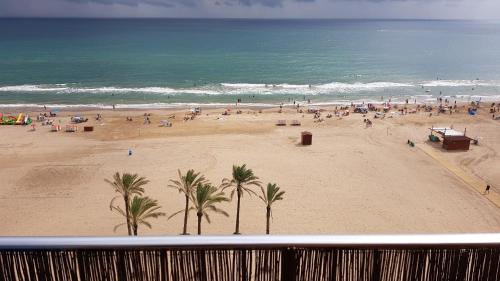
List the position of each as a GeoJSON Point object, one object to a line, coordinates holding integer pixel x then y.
{"type": "Point", "coordinates": [162, 63]}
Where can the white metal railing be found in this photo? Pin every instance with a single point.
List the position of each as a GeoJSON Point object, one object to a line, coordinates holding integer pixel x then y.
{"type": "Point", "coordinates": [256, 241]}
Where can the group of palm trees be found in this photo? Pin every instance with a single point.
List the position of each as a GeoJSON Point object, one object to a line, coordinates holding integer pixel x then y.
{"type": "Point", "coordinates": [200, 196]}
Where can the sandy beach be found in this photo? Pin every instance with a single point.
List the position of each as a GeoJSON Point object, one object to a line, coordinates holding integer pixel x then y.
{"type": "Point", "coordinates": [352, 179]}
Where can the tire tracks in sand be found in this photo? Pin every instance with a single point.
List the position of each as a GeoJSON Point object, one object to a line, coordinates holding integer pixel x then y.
{"type": "Point", "coordinates": [472, 181]}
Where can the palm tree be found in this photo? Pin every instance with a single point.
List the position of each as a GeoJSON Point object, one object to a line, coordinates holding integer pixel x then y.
{"type": "Point", "coordinates": [204, 200]}
{"type": "Point", "coordinates": [242, 180]}
{"type": "Point", "coordinates": [127, 185]}
{"type": "Point", "coordinates": [269, 196]}
{"type": "Point", "coordinates": [186, 184]}
{"type": "Point", "coordinates": [141, 209]}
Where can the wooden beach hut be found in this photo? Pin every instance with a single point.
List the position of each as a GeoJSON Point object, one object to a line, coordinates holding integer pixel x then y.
{"type": "Point", "coordinates": [452, 139]}
{"type": "Point", "coordinates": [306, 138]}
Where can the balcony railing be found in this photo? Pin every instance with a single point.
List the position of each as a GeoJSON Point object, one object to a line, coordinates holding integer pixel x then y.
{"type": "Point", "coordinates": [348, 258]}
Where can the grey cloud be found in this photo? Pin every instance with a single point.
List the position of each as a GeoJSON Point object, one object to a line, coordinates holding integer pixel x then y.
{"type": "Point", "coordinates": [161, 3]}
{"type": "Point", "coordinates": [193, 3]}
{"type": "Point", "coordinates": [266, 3]}
{"type": "Point", "coordinates": [427, 9]}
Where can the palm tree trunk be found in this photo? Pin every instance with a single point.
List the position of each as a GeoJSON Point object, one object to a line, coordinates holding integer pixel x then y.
{"type": "Point", "coordinates": [268, 215]}
{"type": "Point", "coordinates": [135, 229]}
{"type": "Point", "coordinates": [199, 222]}
{"type": "Point", "coordinates": [127, 212]}
{"type": "Point", "coordinates": [184, 230]}
{"type": "Point", "coordinates": [237, 230]}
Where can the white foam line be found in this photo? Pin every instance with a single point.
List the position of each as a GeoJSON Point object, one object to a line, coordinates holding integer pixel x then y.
{"type": "Point", "coordinates": [248, 88]}
{"type": "Point", "coordinates": [459, 83]}
{"type": "Point", "coordinates": [136, 106]}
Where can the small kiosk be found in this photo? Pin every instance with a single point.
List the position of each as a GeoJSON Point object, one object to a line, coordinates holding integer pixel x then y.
{"type": "Point", "coordinates": [452, 139]}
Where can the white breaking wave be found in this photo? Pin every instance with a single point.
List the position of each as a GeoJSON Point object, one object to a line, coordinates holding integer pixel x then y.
{"type": "Point", "coordinates": [31, 88]}
{"type": "Point", "coordinates": [458, 83]}
{"type": "Point", "coordinates": [249, 88]}
{"type": "Point", "coordinates": [291, 86]}
{"type": "Point", "coordinates": [242, 85]}
{"type": "Point", "coordinates": [65, 89]}
{"type": "Point", "coordinates": [362, 86]}
{"type": "Point", "coordinates": [135, 106]}
{"type": "Point", "coordinates": [334, 87]}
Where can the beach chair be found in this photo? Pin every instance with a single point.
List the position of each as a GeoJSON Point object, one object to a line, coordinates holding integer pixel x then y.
{"type": "Point", "coordinates": [55, 128]}
{"type": "Point", "coordinates": [71, 129]}
{"type": "Point", "coordinates": [281, 123]}
{"type": "Point", "coordinates": [433, 138]}
{"type": "Point", "coordinates": [295, 123]}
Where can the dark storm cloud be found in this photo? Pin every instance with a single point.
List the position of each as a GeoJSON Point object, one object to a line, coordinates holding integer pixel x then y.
{"type": "Point", "coordinates": [193, 3]}
{"type": "Point", "coordinates": [425, 9]}
{"type": "Point", "coordinates": [161, 3]}
{"type": "Point", "coordinates": [267, 3]}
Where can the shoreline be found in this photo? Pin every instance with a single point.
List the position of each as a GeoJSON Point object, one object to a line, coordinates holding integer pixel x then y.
{"type": "Point", "coordinates": [188, 106]}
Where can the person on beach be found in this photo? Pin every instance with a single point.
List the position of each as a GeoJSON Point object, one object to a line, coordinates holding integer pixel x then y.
{"type": "Point", "coordinates": [487, 190]}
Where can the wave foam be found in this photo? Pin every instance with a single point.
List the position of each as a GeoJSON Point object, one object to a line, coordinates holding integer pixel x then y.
{"type": "Point", "coordinates": [242, 85]}
{"type": "Point", "coordinates": [248, 88]}
{"type": "Point", "coordinates": [134, 106]}
{"type": "Point", "coordinates": [362, 86]}
{"type": "Point", "coordinates": [103, 90]}
{"type": "Point", "coordinates": [31, 88]}
{"type": "Point", "coordinates": [457, 83]}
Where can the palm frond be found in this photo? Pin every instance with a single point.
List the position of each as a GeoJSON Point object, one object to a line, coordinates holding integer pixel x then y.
{"type": "Point", "coordinates": [143, 208]}
{"type": "Point", "coordinates": [271, 194]}
{"type": "Point", "coordinates": [119, 210]}
{"type": "Point", "coordinates": [112, 201]}
{"type": "Point", "coordinates": [174, 214]}
{"type": "Point", "coordinates": [206, 197]}
{"type": "Point", "coordinates": [118, 226]}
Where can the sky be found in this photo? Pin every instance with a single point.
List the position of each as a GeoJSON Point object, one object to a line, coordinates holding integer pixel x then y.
{"type": "Point", "coordinates": [395, 9]}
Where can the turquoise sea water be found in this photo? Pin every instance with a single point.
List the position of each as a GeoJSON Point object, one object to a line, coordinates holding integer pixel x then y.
{"type": "Point", "coordinates": [171, 62]}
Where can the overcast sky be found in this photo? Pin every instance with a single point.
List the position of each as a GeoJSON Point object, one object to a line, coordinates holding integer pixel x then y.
{"type": "Point", "coordinates": [424, 9]}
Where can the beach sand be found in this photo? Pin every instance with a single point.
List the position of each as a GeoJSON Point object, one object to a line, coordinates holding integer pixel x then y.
{"type": "Point", "coordinates": [352, 179]}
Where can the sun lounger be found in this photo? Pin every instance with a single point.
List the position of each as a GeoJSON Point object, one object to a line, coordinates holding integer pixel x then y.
{"type": "Point", "coordinates": [71, 128]}
{"type": "Point", "coordinates": [295, 123]}
{"type": "Point", "coordinates": [55, 128]}
{"type": "Point", "coordinates": [281, 123]}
